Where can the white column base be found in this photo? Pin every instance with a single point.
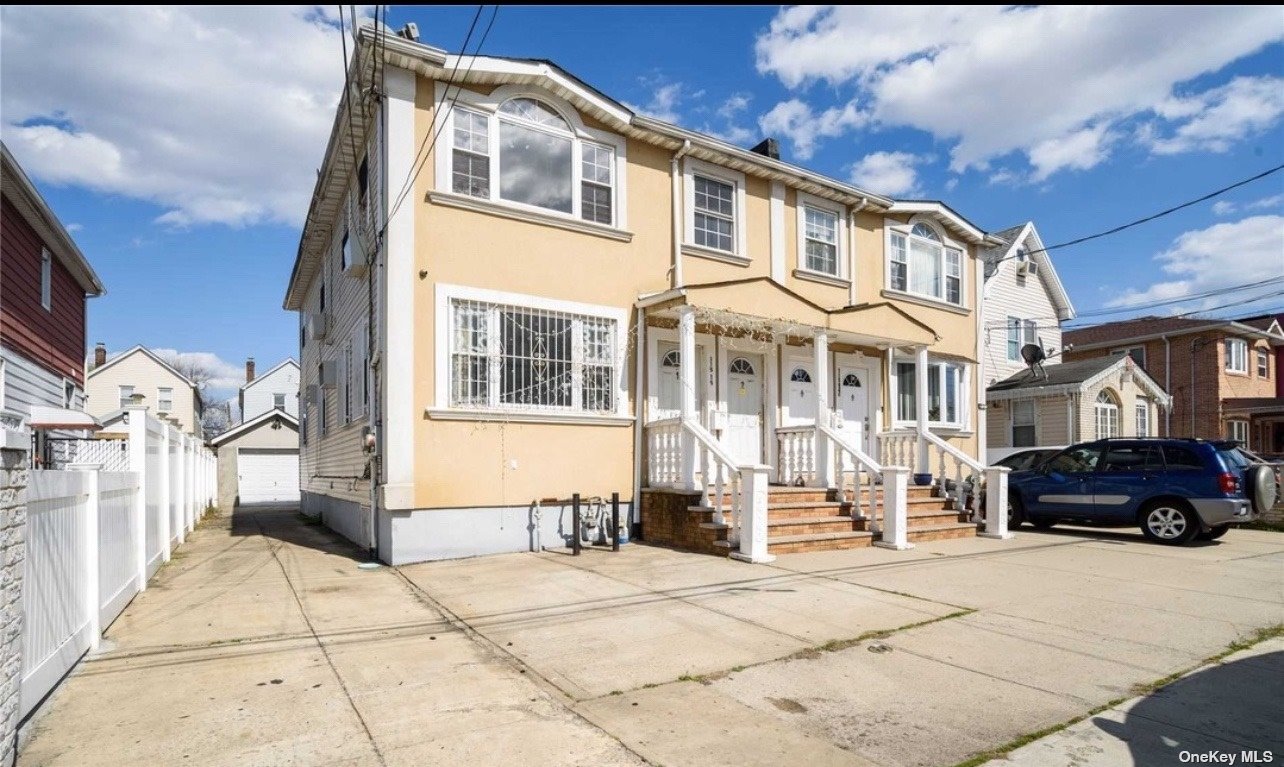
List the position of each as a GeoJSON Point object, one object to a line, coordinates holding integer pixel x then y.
{"type": "Point", "coordinates": [757, 560]}
{"type": "Point", "coordinates": [894, 546]}
{"type": "Point", "coordinates": [997, 536]}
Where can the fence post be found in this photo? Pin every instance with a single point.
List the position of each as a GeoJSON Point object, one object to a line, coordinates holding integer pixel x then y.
{"type": "Point", "coordinates": [996, 503]}
{"type": "Point", "coordinates": [753, 517]}
{"type": "Point", "coordinates": [177, 491]}
{"type": "Point", "coordinates": [93, 590]}
{"type": "Point", "coordinates": [136, 416]}
{"type": "Point", "coordinates": [895, 509]}
{"type": "Point", "coordinates": [166, 475]}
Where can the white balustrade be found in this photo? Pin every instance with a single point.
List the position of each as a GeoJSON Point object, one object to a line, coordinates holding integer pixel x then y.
{"type": "Point", "coordinates": [796, 456]}
{"type": "Point", "coordinates": [664, 452]}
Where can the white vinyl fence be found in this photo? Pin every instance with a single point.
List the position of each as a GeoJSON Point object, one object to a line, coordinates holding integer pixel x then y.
{"type": "Point", "coordinates": [95, 537]}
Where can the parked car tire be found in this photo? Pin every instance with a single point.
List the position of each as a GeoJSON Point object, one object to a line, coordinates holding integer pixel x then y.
{"type": "Point", "coordinates": [1213, 534]}
{"type": "Point", "coordinates": [1016, 512]}
{"type": "Point", "coordinates": [1040, 523]}
{"type": "Point", "coordinates": [1259, 486]}
{"type": "Point", "coordinates": [1169, 522]}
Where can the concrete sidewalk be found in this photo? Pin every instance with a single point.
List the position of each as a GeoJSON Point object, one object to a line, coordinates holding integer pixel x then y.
{"type": "Point", "coordinates": [265, 644]}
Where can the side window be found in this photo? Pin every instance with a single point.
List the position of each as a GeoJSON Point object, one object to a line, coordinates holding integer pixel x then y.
{"type": "Point", "coordinates": [1180, 458]}
{"type": "Point", "coordinates": [1076, 459]}
{"type": "Point", "coordinates": [1131, 458]}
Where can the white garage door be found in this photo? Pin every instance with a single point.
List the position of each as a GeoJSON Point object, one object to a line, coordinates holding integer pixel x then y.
{"type": "Point", "coordinates": [267, 476]}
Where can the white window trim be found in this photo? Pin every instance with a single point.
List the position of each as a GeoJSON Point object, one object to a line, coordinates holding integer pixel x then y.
{"type": "Point", "coordinates": [1234, 425]}
{"type": "Point", "coordinates": [1235, 343]}
{"type": "Point", "coordinates": [120, 393]}
{"type": "Point", "coordinates": [441, 409]}
{"type": "Point", "coordinates": [1140, 411]}
{"type": "Point", "coordinates": [966, 404]}
{"type": "Point", "coordinates": [160, 398]}
{"type": "Point", "coordinates": [1012, 424]}
{"type": "Point", "coordinates": [903, 228]}
{"type": "Point", "coordinates": [489, 104]}
{"type": "Point", "coordinates": [282, 396]}
{"type": "Point", "coordinates": [1105, 408]}
{"type": "Point", "coordinates": [46, 279]}
{"type": "Point", "coordinates": [691, 168]}
{"type": "Point", "coordinates": [802, 202]}
{"type": "Point", "coordinates": [1262, 356]}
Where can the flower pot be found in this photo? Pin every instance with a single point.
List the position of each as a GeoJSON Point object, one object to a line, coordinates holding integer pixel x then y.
{"type": "Point", "coordinates": [922, 480]}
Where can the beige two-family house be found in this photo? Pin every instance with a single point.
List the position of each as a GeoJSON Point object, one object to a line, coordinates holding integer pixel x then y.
{"type": "Point", "coordinates": [511, 288]}
{"type": "Point", "coordinates": [140, 376]}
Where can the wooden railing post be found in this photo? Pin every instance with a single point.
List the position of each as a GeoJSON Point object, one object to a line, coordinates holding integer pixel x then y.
{"type": "Point", "coordinates": [753, 524]}
{"type": "Point", "coordinates": [895, 509]}
{"type": "Point", "coordinates": [996, 503]}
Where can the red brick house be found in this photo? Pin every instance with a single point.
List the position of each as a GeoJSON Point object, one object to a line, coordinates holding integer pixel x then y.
{"type": "Point", "coordinates": [42, 302]}
{"type": "Point", "coordinates": [1222, 374]}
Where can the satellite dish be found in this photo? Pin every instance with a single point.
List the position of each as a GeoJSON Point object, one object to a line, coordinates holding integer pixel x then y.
{"type": "Point", "coordinates": [1034, 356]}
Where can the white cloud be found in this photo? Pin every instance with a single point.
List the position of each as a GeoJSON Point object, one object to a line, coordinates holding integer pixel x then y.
{"type": "Point", "coordinates": [1222, 255]}
{"type": "Point", "coordinates": [1226, 207]}
{"type": "Point", "coordinates": [887, 173]}
{"type": "Point", "coordinates": [666, 96]}
{"type": "Point", "coordinates": [217, 114]}
{"type": "Point", "coordinates": [1223, 208]}
{"type": "Point", "coordinates": [734, 105]}
{"type": "Point", "coordinates": [224, 375]}
{"type": "Point", "coordinates": [1274, 201]}
{"type": "Point", "coordinates": [1218, 117]}
{"type": "Point", "coordinates": [1051, 82]}
{"type": "Point", "coordinates": [75, 227]}
{"type": "Point", "coordinates": [796, 121]}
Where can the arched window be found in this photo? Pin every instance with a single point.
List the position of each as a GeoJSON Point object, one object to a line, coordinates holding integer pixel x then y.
{"type": "Point", "coordinates": [851, 379]}
{"type": "Point", "coordinates": [672, 359]}
{"type": "Point", "coordinates": [1107, 415]}
{"type": "Point", "coordinates": [540, 155]}
{"type": "Point", "coordinates": [742, 366]}
{"type": "Point", "coordinates": [922, 263]}
{"type": "Point", "coordinates": [800, 376]}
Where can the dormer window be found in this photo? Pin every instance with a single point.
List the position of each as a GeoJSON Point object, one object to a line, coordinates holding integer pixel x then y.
{"type": "Point", "coordinates": [529, 153]}
{"type": "Point", "coordinates": [923, 263]}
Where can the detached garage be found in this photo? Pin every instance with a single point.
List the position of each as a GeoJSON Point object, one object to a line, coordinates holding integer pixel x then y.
{"type": "Point", "coordinates": [258, 461]}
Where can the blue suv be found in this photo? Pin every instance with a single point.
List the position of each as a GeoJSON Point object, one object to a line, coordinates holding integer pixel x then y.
{"type": "Point", "coordinates": [1174, 489]}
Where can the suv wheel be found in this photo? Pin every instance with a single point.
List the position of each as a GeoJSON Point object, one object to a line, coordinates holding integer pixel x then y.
{"type": "Point", "coordinates": [1016, 515]}
{"type": "Point", "coordinates": [1168, 522]}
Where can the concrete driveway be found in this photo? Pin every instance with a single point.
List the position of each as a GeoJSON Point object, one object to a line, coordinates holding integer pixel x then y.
{"type": "Point", "coordinates": [265, 644]}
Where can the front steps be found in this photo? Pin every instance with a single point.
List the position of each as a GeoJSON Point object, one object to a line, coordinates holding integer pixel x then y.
{"type": "Point", "coordinates": [802, 519]}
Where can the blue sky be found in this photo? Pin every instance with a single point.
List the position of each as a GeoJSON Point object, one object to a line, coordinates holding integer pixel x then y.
{"type": "Point", "coordinates": [181, 144]}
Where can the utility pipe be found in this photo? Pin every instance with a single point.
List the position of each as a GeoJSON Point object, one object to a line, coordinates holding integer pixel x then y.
{"type": "Point", "coordinates": [639, 358]}
{"type": "Point", "coordinates": [1168, 387]}
{"type": "Point", "coordinates": [676, 173]}
{"type": "Point", "coordinates": [851, 250]}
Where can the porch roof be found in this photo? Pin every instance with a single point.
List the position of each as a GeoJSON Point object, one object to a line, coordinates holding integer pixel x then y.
{"type": "Point", "coordinates": [778, 308]}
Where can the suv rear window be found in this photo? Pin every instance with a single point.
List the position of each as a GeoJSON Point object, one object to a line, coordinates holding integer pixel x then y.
{"type": "Point", "coordinates": [1234, 458]}
{"type": "Point", "coordinates": [1181, 458]}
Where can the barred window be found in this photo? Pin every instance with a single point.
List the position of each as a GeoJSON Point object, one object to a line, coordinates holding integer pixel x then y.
{"type": "Point", "coordinates": [515, 358]}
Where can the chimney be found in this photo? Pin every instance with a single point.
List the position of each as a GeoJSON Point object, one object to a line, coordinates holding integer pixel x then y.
{"type": "Point", "coordinates": [769, 147]}
{"type": "Point", "coordinates": [100, 355]}
{"type": "Point", "coordinates": [249, 369]}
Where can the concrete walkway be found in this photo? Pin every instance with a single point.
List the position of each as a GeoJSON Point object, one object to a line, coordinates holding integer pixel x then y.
{"type": "Point", "coordinates": [265, 644]}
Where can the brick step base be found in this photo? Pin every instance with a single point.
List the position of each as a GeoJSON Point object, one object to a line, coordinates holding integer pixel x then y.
{"type": "Point", "coordinates": [797, 544]}
{"type": "Point", "coordinates": [940, 532]}
{"type": "Point", "coordinates": [934, 517]}
{"type": "Point", "coordinates": [812, 526]}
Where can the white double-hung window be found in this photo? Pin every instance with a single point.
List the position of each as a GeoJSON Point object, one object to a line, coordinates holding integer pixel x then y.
{"type": "Point", "coordinates": [1236, 355]}
{"type": "Point", "coordinates": [821, 237]}
{"type": "Point", "coordinates": [523, 354]}
{"type": "Point", "coordinates": [165, 399]}
{"type": "Point", "coordinates": [524, 151]}
{"type": "Point", "coordinates": [922, 263]}
{"type": "Point", "coordinates": [946, 400]}
{"type": "Point", "coordinates": [714, 214]}
{"type": "Point", "coordinates": [1020, 333]}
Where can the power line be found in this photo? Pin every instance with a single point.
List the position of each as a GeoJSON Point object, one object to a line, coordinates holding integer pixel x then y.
{"type": "Point", "coordinates": [1152, 304]}
{"type": "Point", "coordinates": [419, 161]}
{"type": "Point", "coordinates": [1152, 217]}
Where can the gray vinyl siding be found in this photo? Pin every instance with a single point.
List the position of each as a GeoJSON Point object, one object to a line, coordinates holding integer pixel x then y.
{"type": "Point", "coordinates": [27, 384]}
{"type": "Point", "coordinates": [333, 465]}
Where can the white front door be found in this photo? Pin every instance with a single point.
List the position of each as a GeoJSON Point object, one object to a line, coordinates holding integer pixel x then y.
{"type": "Point", "coordinates": [669, 390]}
{"type": "Point", "coordinates": [743, 435]}
{"type": "Point", "coordinates": [800, 394]}
{"type": "Point", "coordinates": [853, 403]}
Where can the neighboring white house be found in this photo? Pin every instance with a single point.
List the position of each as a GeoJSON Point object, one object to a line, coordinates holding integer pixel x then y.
{"type": "Point", "coordinates": [1025, 302]}
{"type": "Point", "coordinates": [277, 389]}
{"type": "Point", "coordinates": [140, 376]}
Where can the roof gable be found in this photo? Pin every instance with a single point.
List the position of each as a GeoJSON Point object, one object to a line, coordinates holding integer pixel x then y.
{"type": "Point", "coordinates": [288, 362]}
{"type": "Point", "coordinates": [147, 353]}
{"type": "Point", "coordinates": [1078, 375]}
{"type": "Point", "coordinates": [263, 420]}
{"type": "Point", "coordinates": [1003, 257]}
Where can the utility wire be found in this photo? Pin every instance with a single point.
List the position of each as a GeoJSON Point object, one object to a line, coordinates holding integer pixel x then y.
{"type": "Point", "coordinates": [1152, 217]}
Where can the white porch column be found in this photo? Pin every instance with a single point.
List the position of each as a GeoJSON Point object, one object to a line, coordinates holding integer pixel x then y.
{"type": "Point", "coordinates": [996, 503]}
{"type": "Point", "coordinates": [895, 509]}
{"type": "Point", "coordinates": [136, 416]}
{"type": "Point", "coordinates": [824, 466]}
{"type": "Point", "coordinates": [920, 401]}
{"type": "Point", "coordinates": [687, 373]}
{"type": "Point", "coordinates": [753, 517]}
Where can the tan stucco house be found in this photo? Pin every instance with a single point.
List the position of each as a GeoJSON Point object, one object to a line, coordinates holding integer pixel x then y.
{"type": "Point", "coordinates": [139, 375]}
{"type": "Point", "coordinates": [514, 288]}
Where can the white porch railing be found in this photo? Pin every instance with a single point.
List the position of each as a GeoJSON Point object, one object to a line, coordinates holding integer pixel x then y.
{"type": "Point", "coordinates": [664, 452]}
{"type": "Point", "coordinates": [796, 454]}
{"type": "Point", "coordinates": [865, 473]}
{"type": "Point", "coordinates": [903, 446]}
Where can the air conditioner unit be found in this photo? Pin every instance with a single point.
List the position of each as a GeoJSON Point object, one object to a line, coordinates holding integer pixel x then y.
{"type": "Point", "coordinates": [330, 374]}
{"type": "Point", "coordinates": [359, 246]}
{"type": "Point", "coordinates": [1028, 267]}
{"type": "Point", "coordinates": [318, 325]}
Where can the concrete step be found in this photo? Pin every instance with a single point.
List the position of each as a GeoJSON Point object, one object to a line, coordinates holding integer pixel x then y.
{"type": "Point", "coordinates": [796, 544]}
{"type": "Point", "coordinates": [811, 525]}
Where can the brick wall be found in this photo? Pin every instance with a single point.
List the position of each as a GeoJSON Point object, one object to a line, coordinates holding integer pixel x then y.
{"type": "Point", "coordinates": [13, 520]}
{"type": "Point", "coordinates": [668, 521]}
{"type": "Point", "coordinates": [1212, 383]}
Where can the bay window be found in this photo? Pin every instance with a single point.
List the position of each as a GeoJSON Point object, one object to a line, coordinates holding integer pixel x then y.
{"type": "Point", "coordinates": [945, 400]}
{"type": "Point", "coordinates": [1023, 428]}
{"type": "Point", "coordinates": [510, 357]}
{"type": "Point", "coordinates": [921, 263]}
{"type": "Point", "coordinates": [523, 151]}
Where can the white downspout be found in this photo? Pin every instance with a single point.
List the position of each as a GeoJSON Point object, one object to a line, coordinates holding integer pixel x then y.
{"type": "Point", "coordinates": [676, 173]}
{"type": "Point", "coordinates": [1168, 386]}
{"type": "Point", "coordinates": [1070, 419]}
{"type": "Point", "coordinates": [639, 357]}
{"type": "Point", "coordinates": [851, 251]}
